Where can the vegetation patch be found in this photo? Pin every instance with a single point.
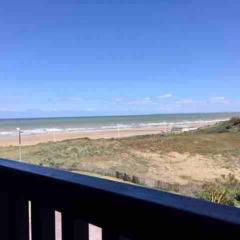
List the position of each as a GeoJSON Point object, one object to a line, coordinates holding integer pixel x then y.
{"type": "Point", "coordinates": [233, 125]}
{"type": "Point", "coordinates": [224, 190]}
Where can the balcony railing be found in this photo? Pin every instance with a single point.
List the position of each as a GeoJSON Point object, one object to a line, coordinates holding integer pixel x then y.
{"type": "Point", "coordinates": [122, 211]}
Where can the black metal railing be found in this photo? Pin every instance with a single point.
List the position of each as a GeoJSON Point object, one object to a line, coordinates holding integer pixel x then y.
{"type": "Point", "coordinates": [122, 211]}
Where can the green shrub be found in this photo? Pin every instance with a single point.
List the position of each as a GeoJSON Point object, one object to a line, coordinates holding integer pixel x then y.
{"type": "Point", "coordinates": [136, 180]}
{"type": "Point", "coordinates": [233, 125]}
{"type": "Point", "coordinates": [119, 175]}
{"type": "Point", "coordinates": [126, 178]}
{"type": "Point", "coordinates": [225, 190]}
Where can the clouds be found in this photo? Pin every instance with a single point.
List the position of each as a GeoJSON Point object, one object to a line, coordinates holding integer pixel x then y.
{"type": "Point", "coordinates": [147, 100]}
{"type": "Point", "coordinates": [162, 103]}
{"type": "Point", "coordinates": [209, 101]}
{"type": "Point", "coordinates": [218, 100]}
{"type": "Point", "coordinates": [144, 101]}
{"type": "Point", "coordinates": [66, 99]}
{"type": "Point", "coordinates": [169, 103]}
{"type": "Point", "coordinates": [184, 102]}
{"type": "Point", "coordinates": [167, 95]}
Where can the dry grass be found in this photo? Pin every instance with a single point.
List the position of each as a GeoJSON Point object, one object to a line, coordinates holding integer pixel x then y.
{"type": "Point", "coordinates": [81, 153]}
{"type": "Point", "coordinates": [225, 144]}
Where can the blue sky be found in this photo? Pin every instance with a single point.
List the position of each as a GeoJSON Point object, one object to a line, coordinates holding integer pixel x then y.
{"type": "Point", "coordinates": [103, 57]}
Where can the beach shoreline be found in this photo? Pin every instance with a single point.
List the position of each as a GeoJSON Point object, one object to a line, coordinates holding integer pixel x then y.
{"type": "Point", "coordinates": [52, 136]}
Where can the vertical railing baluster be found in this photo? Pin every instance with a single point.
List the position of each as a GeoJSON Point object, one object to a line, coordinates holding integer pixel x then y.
{"type": "Point", "coordinates": [14, 217]}
{"type": "Point", "coordinates": [74, 229]}
{"type": "Point", "coordinates": [43, 222]}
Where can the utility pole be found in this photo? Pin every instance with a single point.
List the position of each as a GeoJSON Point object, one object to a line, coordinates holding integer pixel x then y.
{"type": "Point", "coordinates": [19, 144]}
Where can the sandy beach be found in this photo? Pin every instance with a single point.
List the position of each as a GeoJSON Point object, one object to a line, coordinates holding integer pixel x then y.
{"type": "Point", "coordinates": [59, 136]}
{"type": "Point", "coordinates": [108, 133]}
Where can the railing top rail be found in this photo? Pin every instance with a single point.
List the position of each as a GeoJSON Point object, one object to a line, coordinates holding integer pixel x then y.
{"type": "Point", "coordinates": [97, 194]}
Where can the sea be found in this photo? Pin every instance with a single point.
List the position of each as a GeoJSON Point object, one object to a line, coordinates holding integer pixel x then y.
{"type": "Point", "coordinates": [31, 126]}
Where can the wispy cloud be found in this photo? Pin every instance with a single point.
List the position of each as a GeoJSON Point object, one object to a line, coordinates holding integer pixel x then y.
{"type": "Point", "coordinates": [75, 99]}
{"type": "Point", "coordinates": [90, 110]}
{"type": "Point", "coordinates": [4, 110]}
{"type": "Point", "coordinates": [67, 99]}
{"type": "Point", "coordinates": [217, 100]}
{"type": "Point", "coordinates": [117, 100]}
{"type": "Point", "coordinates": [167, 95]}
{"type": "Point", "coordinates": [144, 101]}
{"type": "Point", "coordinates": [149, 100]}
{"type": "Point", "coordinates": [184, 102]}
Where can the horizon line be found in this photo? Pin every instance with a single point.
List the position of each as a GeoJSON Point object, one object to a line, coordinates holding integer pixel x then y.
{"type": "Point", "coordinates": [123, 115]}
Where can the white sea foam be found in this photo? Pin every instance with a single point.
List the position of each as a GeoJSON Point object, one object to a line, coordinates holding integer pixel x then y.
{"type": "Point", "coordinates": [116, 126]}
{"type": "Point", "coordinates": [184, 123]}
{"type": "Point", "coordinates": [40, 131]}
{"type": "Point", "coordinates": [9, 133]}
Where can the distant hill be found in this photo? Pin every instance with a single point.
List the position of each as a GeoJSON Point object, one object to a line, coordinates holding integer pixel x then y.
{"type": "Point", "coordinates": [233, 125]}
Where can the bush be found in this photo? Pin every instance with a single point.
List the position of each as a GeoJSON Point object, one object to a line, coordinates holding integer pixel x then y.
{"type": "Point", "coordinates": [233, 125]}
{"type": "Point", "coordinates": [136, 180]}
{"type": "Point", "coordinates": [225, 190]}
{"type": "Point", "coordinates": [49, 162]}
{"type": "Point", "coordinates": [119, 175]}
{"type": "Point", "coordinates": [126, 178]}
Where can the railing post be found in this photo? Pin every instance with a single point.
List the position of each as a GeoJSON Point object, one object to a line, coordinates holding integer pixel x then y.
{"type": "Point", "coordinates": [74, 229]}
{"type": "Point", "coordinates": [14, 217]}
{"type": "Point", "coordinates": [43, 222]}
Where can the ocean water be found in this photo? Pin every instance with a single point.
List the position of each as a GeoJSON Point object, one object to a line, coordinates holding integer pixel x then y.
{"type": "Point", "coordinates": [87, 124]}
